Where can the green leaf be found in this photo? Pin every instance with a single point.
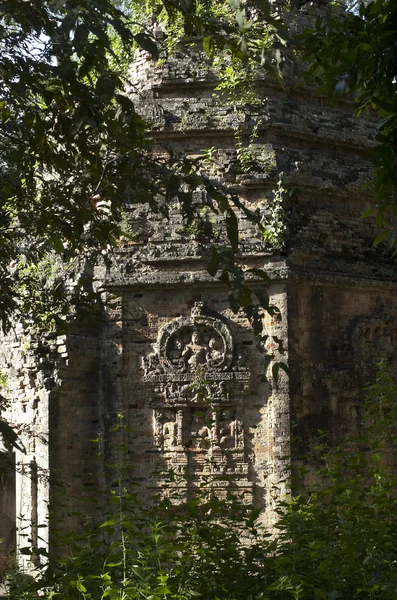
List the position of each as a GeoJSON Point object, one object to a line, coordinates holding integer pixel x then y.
{"type": "Point", "coordinates": [388, 124]}
{"type": "Point", "coordinates": [232, 228]}
{"type": "Point", "coordinates": [241, 17]}
{"type": "Point", "coordinates": [384, 104]}
{"type": "Point", "coordinates": [368, 213]}
{"type": "Point", "coordinates": [80, 39]}
{"type": "Point", "coordinates": [264, 6]}
{"type": "Point", "coordinates": [109, 523]}
{"type": "Point", "coordinates": [380, 213]}
{"type": "Point", "coordinates": [381, 237]}
{"type": "Point", "coordinates": [126, 103]}
{"type": "Point", "coordinates": [260, 273]}
{"type": "Point", "coordinates": [105, 87]}
{"type": "Point", "coordinates": [194, 23]}
{"type": "Point", "coordinates": [4, 111]}
{"type": "Point", "coordinates": [208, 45]}
{"type": "Point", "coordinates": [122, 30]}
{"type": "Point", "coordinates": [391, 242]}
{"type": "Point", "coordinates": [81, 587]}
{"type": "Point", "coordinates": [57, 243]}
{"type": "Point", "coordinates": [148, 44]}
{"type": "Point", "coordinates": [86, 66]}
{"type": "Point", "coordinates": [214, 262]}
{"type": "Point", "coordinates": [219, 196]}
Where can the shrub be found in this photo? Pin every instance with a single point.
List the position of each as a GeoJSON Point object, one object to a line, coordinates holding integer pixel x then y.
{"type": "Point", "coordinates": [337, 540]}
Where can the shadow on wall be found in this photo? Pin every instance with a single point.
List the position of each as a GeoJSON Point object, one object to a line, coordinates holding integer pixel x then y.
{"type": "Point", "coordinates": [7, 510]}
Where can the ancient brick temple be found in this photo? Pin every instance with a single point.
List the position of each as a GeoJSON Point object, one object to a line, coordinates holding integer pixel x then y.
{"type": "Point", "coordinates": [169, 341]}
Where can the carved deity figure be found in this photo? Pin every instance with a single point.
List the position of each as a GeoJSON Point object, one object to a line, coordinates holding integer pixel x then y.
{"type": "Point", "coordinates": [150, 363]}
{"type": "Point", "coordinates": [169, 435]}
{"type": "Point", "coordinates": [219, 392]}
{"type": "Point", "coordinates": [214, 355]}
{"type": "Point", "coordinates": [203, 432]}
{"type": "Point", "coordinates": [194, 353]}
{"type": "Point", "coordinates": [231, 434]}
{"type": "Point", "coordinates": [157, 428]}
{"type": "Point", "coordinates": [145, 365]}
{"type": "Point", "coordinates": [198, 309]}
{"type": "Point", "coordinates": [176, 354]}
{"type": "Point", "coordinates": [165, 430]}
{"type": "Point", "coordinates": [171, 391]}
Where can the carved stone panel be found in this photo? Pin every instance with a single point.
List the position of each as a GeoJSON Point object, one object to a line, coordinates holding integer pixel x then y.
{"type": "Point", "coordinates": [196, 385]}
{"type": "Point", "coordinates": [375, 337]}
{"type": "Point", "coordinates": [193, 362]}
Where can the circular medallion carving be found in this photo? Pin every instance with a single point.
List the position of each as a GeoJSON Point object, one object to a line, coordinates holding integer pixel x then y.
{"type": "Point", "coordinates": [192, 363]}
{"type": "Point", "coordinates": [196, 342]}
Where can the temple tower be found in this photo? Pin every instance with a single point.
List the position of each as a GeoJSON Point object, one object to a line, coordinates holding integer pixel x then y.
{"type": "Point", "coordinates": [197, 393]}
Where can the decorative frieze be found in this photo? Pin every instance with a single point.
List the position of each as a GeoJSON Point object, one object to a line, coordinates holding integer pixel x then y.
{"type": "Point", "coordinates": [196, 386]}
{"type": "Point", "coordinates": [194, 362]}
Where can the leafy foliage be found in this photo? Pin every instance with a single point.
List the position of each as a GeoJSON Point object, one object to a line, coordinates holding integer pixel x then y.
{"type": "Point", "coordinates": [335, 540]}
{"type": "Point", "coordinates": [355, 54]}
{"type": "Point", "coordinates": [273, 221]}
{"type": "Point", "coordinates": [69, 136]}
{"type": "Point", "coordinates": [73, 151]}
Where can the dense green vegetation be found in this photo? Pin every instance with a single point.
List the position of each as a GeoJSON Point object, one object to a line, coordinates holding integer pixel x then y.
{"type": "Point", "coordinates": [336, 540]}
{"type": "Point", "coordinates": [73, 151]}
{"type": "Point", "coordinates": [74, 154]}
{"type": "Point", "coordinates": [356, 55]}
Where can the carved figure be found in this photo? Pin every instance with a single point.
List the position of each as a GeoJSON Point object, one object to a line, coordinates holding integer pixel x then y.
{"type": "Point", "coordinates": [231, 434]}
{"type": "Point", "coordinates": [145, 365]}
{"type": "Point", "coordinates": [150, 363]}
{"type": "Point", "coordinates": [214, 355]}
{"type": "Point", "coordinates": [198, 309]}
{"type": "Point", "coordinates": [157, 428]}
{"type": "Point", "coordinates": [199, 340]}
{"type": "Point", "coordinates": [176, 354]}
{"type": "Point", "coordinates": [219, 392]}
{"type": "Point", "coordinates": [202, 435]}
{"type": "Point", "coordinates": [194, 353]}
{"type": "Point", "coordinates": [241, 363]}
{"type": "Point", "coordinates": [201, 393]}
{"type": "Point", "coordinates": [171, 391]}
{"type": "Point", "coordinates": [165, 430]}
{"type": "Point", "coordinates": [169, 435]}
{"type": "Point", "coordinates": [219, 466]}
{"type": "Point", "coordinates": [194, 360]}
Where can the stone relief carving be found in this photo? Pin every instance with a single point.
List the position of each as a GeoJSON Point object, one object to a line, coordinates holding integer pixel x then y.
{"type": "Point", "coordinates": [218, 430]}
{"type": "Point", "coordinates": [197, 341]}
{"type": "Point", "coordinates": [197, 382]}
{"type": "Point", "coordinates": [193, 361]}
{"type": "Point", "coordinates": [375, 337]}
{"type": "Point", "coordinates": [231, 434]}
{"type": "Point", "coordinates": [167, 429]}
